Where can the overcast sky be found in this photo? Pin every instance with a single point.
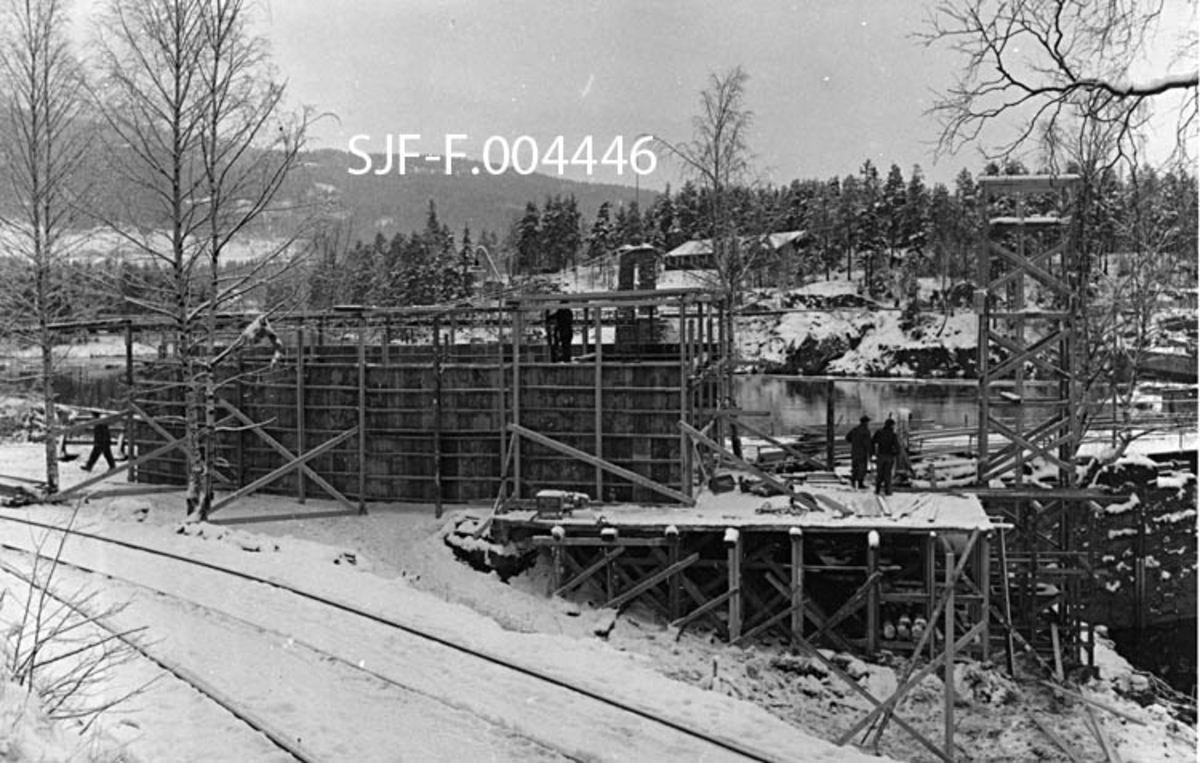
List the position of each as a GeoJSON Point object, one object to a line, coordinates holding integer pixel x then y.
{"type": "Point", "coordinates": [832, 82]}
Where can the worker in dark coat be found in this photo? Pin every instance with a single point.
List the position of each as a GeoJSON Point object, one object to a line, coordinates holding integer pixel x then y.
{"type": "Point", "coordinates": [887, 450]}
{"type": "Point", "coordinates": [564, 332]}
{"type": "Point", "coordinates": [860, 452]}
{"type": "Point", "coordinates": [101, 446]}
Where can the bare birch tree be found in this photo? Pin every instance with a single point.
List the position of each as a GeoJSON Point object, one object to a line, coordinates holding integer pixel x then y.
{"type": "Point", "coordinates": [203, 141]}
{"type": "Point", "coordinates": [43, 145]}
{"type": "Point", "coordinates": [1029, 65]}
{"type": "Point", "coordinates": [718, 158]}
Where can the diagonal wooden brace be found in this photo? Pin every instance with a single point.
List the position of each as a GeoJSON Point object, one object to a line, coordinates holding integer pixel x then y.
{"type": "Point", "coordinates": [849, 607]}
{"type": "Point", "coordinates": [619, 601]}
{"type": "Point", "coordinates": [703, 439]}
{"type": "Point", "coordinates": [600, 463]}
{"type": "Point", "coordinates": [160, 450]}
{"type": "Point", "coordinates": [701, 611]}
{"type": "Point", "coordinates": [605, 559]}
{"type": "Point", "coordinates": [890, 703]}
{"type": "Point", "coordinates": [849, 681]}
{"type": "Point", "coordinates": [269, 478]}
{"type": "Point", "coordinates": [282, 450]}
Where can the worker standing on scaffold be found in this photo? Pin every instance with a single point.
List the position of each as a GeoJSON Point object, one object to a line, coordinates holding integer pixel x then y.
{"type": "Point", "coordinates": [860, 452]}
{"type": "Point", "coordinates": [564, 332]}
{"type": "Point", "coordinates": [887, 450]}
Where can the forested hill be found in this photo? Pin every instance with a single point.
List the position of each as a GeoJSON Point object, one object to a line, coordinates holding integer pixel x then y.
{"type": "Point", "coordinates": [393, 202]}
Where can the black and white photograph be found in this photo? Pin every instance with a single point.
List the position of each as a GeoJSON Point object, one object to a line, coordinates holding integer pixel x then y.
{"type": "Point", "coordinates": [794, 381]}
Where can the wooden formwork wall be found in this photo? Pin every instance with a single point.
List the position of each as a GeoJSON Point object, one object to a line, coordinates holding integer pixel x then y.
{"type": "Point", "coordinates": [626, 413]}
{"type": "Point", "coordinates": [434, 421]}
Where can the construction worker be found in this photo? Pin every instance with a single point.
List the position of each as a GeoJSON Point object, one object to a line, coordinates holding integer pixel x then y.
{"type": "Point", "coordinates": [887, 450]}
{"type": "Point", "coordinates": [860, 452]}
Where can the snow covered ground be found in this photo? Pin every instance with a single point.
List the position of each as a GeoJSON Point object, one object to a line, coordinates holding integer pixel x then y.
{"type": "Point", "coordinates": [763, 696]}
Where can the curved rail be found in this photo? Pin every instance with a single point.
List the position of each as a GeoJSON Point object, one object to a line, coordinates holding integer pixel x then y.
{"type": "Point", "coordinates": [279, 739]}
{"type": "Point", "coordinates": [683, 728]}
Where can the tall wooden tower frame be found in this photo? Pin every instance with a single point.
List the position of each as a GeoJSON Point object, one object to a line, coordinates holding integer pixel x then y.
{"type": "Point", "coordinates": [1030, 304]}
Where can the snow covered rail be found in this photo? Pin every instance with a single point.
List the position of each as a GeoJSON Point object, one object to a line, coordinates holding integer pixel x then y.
{"type": "Point", "coordinates": [252, 719]}
{"type": "Point", "coordinates": [429, 655]}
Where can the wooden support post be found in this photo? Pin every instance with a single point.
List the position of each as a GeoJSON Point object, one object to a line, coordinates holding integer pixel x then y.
{"type": "Point", "coordinates": [502, 405]}
{"type": "Point", "coordinates": [385, 352]}
{"type": "Point", "coordinates": [598, 395]}
{"type": "Point", "coordinates": [948, 635]}
{"type": "Point", "coordinates": [437, 417]}
{"type": "Point", "coordinates": [985, 583]}
{"type": "Point", "coordinates": [517, 328]}
{"type": "Point", "coordinates": [829, 424]}
{"type": "Point", "coordinates": [733, 544]}
{"type": "Point", "coordinates": [301, 406]}
{"type": "Point", "coordinates": [556, 552]}
{"type": "Point", "coordinates": [1029, 510]}
{"type": "Point", "coordinates": [685, 461]}
{"type": "Point", "coordinates": [796, 535]}
{"type": "Point", "coordinates": [1139, 573]}
{"type": "Point", "coordinates": [672, 534]}
{"type": "Point", "coordinates": [362, 417]}
{"type": "Point", "coordinates": [240, 437]}
{"type": "Point", "coordinates": [1009, 648]}
{"type": "Point", "coordinates": [873, 594]}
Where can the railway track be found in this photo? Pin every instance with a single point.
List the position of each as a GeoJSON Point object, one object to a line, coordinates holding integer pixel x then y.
{"type": "Point", "coordinates": [557, 715]}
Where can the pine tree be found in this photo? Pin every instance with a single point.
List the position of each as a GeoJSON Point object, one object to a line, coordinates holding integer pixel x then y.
{"type": "Point", "coordinates": [527, 240]}
{"type": "Point", "coordinates": [600, 239]}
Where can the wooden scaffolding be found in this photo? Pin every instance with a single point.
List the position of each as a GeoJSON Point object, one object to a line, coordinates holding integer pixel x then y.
{"type": "Point", "coordinates": [1030, 304]}
{"type": "Point", "coordinates": [457, 404]}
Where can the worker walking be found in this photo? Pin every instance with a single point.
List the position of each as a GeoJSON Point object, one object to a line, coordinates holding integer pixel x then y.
{"type": "Point", "coordinates": [860, 452]}
{"type": "Point", "coordinates": [887, 450]}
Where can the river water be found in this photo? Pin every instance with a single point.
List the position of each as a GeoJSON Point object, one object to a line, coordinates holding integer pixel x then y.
{"type": "Point", "coordinates": [797, 403]}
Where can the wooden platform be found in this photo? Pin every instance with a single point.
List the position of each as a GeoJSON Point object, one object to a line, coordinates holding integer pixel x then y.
{"type": "Point", "coordinates": [837, 509]}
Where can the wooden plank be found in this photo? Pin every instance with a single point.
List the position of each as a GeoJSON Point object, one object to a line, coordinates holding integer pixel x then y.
{"type": "Point", "coordinates": [734, 570]}
{"type": "Point", "coordinates": [276, 474]}
{"type": "Point", "coordinates": [598, 411]}
{"type": "Point", "coordinates": [948, 633]}
{"type": "Point", "coordinates": [703, 609]}
{"type": "Point", "coordinates": [362, 418]}
{"type": "Point", "coordinates": [547, 540]}
{"type": "Point", "coordinates": [853, 684]}
{"type": "Point", "coordinates": [703, 439]}
{"type": "Point", "coordinates": [1059, 741]}
{"type": "Point", "coordinates": [290, 456]}
{"type": "Point", "coordinates": [1097, 703]}
{"type": "Point", "coordinates": [300, 408]}
{"type": "Point", "coordinates": [797, 587]}
{"type": "Point", "coordinates": [168, 447]}
{"type": "Point", "coordinates": [605, 559]}
{"type": "Point", "coordinates": [619, 601]}
{"type": "Point", "coordinates": [848, 607]}
{"type": "Point", "coordinates": [1110, 752]}
{"type": "Point", "coordinates": [634, 477]}
{"type": "Point", "coordinates": [787, 448]}
{"type": "Point", "coordinates": [906, 685]}
{"type": "Point", "coordinates": [813, 612]}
